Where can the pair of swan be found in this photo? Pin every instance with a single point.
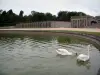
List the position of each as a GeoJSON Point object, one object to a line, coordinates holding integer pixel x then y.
{"type": "Point", "coordinates": [81, 57]}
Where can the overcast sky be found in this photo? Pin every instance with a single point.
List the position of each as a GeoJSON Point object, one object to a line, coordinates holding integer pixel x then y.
{"type": "Point", "coordinates": [91, 7]}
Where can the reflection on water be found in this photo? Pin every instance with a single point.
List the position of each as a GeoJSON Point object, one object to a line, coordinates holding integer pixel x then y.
{"type": "Point", "coordinates": [98, 72]}
{"type": "Point", "coordinates": [64, 40]}
{"type": "Point", "coordinates": [28, 55]}
{"type": "Point", "coordinates": [87, 64]}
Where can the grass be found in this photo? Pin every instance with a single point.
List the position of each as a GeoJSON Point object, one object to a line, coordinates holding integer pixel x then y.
{"type": "Point", "coordinates": [82, 32]}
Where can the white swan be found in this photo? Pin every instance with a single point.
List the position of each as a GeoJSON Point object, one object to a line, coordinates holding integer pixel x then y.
{"type": "Point", "coordinates": [64, 52]}
{"type": "Point", "coordinates": [83, 57]}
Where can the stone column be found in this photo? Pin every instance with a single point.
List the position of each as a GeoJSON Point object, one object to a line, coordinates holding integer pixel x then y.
{"type": "Point", "coordinates": [78, 23]}
{"type": "Point", "coordinates": [71, 23]}
{"type": "Point", "coordinates": [84, 22]}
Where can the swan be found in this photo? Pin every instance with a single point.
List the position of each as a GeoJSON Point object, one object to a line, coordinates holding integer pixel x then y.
{"type": "Point", "coordinates": [83, 57]}
{"type": "Point", "coordinates": [64, 52]}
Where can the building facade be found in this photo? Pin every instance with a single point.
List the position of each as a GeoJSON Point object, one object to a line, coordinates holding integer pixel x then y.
{"type": "Point", "coordinates": [45, 24]}
{"type": "Point", "coordinates": [76, 22]}
{"type": "Point", "coordinates": [82, 21]}
{"type": "Point", "coordinates": [98, 19]}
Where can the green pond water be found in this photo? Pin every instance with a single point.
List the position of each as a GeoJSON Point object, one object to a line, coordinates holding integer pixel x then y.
{"type": "Point", "coordinates": [36, 55]}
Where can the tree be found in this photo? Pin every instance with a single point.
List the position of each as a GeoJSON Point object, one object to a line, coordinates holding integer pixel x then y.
{"type": "Point", "coordinates": [54, 17]}
{"type": "Point", "coordinates": [62, 16]}
{"type": "Point", "coordinates": [1, 11]}
{"type": "Point", "coordinates": [38, 16]}
{"type": "Point", "coordinates": [8, 18]}
{"type": "Point", "coordinates": [33, 12]}
{"type": "Point", "coordinates": [21, 16]}
{"type": "Point", "coordinates": [66, 16]}
{"type": "Point", "coordinates": [49, 16]}
{"type": "Point", "coordinates": [3, 18]}
{"type": "Point", "coordinates": [10, 12]}
{"type": "Point", "coordinates": [21, 13]}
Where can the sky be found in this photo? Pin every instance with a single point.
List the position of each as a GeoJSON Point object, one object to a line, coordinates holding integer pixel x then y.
{"type": "Point", "coordinates": [90, 7]}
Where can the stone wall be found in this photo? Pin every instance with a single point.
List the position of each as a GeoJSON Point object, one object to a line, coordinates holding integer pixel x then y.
{"type": "Point", "coordinates": [7, 27]}
{"type": "Point", "coordinates": [45, 24]}
{"type": "Point", "coordinates": [94, 26]}
{"type": "Point", "coordinates": [59, 24]}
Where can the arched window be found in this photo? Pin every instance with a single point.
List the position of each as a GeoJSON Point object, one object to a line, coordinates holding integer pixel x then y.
{"type": "Point", "coordinates": [93, 22]}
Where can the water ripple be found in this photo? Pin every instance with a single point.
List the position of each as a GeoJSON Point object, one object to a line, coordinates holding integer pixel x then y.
{"type": "Point", "coordinates": [38, 54]}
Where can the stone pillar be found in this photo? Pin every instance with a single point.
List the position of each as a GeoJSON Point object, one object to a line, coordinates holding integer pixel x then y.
{"type": "Point", "coordinates": [78, 23]}
{"type": "Point", "coordinates": [84, 22]}
{"type": "Point", "coordinates": [71, 23]}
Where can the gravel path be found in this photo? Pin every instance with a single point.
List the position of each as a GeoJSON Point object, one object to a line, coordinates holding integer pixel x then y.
{"type": "Point", "coordinates": [70, 29]}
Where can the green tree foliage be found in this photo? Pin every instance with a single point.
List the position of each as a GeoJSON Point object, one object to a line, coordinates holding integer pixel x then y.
{"type": "Point", "coordinates": [38, 16]}
{"type": "Point", "coordinates": [49, 16]}
{"type": "Point", "coordinates": [0, 11]}
{"type": "Point", "coordinates": [21, 13]}
{"type": "Point", "coordinates": [66, 16]}
{"type": "Point", "coordinates": [21, 18]}
{"type": "Point", "coordinates": [8, 18]}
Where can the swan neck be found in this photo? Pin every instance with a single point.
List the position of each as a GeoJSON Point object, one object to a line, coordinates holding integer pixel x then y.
{"type": "Point", "coordinates": [88, 50]}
